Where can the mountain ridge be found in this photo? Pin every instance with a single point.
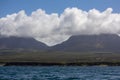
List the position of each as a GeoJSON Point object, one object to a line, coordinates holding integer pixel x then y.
{"type": "Point", "coordinates": [103, 42]}
{"type": "Point", "coordinates": [78, 43]}
{"type": "Point", "coordinates": [20, 43]}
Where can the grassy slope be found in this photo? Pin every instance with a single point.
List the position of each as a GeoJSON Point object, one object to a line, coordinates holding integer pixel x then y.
{"type": "Point", "coordinates": [57, 57]}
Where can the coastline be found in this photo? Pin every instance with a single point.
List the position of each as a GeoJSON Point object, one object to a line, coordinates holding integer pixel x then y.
{"type": "Point", "coordinates": [60, 64]}
{"type": "Point", "coordinates": [12, 58]}
{"type": "Point", "coordinates": [2, 64]}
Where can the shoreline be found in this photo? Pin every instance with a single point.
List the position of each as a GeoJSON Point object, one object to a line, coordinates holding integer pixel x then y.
{"type": "Point", "coordinates": [60, 64]}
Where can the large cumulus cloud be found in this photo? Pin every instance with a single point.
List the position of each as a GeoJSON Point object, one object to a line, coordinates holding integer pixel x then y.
{"type": "Point", "coordinates": [53, 28]}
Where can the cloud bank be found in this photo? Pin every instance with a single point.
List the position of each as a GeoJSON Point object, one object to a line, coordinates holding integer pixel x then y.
{"type": "Point", "coordinates": [53, 29]}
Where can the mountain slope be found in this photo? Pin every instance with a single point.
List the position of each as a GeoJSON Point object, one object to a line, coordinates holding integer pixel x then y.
{"type": "Point", "coordinates": [20, 43]}
{"type": "Point", "coordinates": [97, 43]}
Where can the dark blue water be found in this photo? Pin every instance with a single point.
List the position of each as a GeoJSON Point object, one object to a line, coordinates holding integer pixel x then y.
{"type": "Point", "coordinates": [59, 73]}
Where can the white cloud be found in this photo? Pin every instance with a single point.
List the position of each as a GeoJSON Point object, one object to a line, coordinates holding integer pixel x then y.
{"type": "Point", "coordinates": [53, 28]}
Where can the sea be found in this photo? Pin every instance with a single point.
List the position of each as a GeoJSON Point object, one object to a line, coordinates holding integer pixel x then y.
{"type": "Point", "coordinates": [60, 73]}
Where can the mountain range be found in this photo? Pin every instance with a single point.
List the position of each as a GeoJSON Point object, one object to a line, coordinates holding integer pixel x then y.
{"type": "Point", "coordinates": [80, 43]}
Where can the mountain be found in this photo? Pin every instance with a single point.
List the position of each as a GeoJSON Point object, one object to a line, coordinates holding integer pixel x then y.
{"type": "Point", "coordinates": [90, 43]}
{"type": "Point", "coordinates": [20, 43]}
{"type": "Point", "coordinates": [81, 43]}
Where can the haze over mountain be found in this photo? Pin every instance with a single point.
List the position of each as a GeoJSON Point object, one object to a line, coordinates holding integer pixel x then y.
{"type": "Point", "coordinates": [73, 29]}
{"type": "Point", "coordinates": [55, 28]}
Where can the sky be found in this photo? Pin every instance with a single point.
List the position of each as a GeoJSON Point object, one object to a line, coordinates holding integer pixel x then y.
{"type": "Point", "coordinates": [53, 22]}
{"type": "Point", "coordinates": [55, 6]}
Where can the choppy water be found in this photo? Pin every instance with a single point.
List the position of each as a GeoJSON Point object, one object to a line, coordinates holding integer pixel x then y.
{"type": "Point", "coordinates": [59, 73]}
